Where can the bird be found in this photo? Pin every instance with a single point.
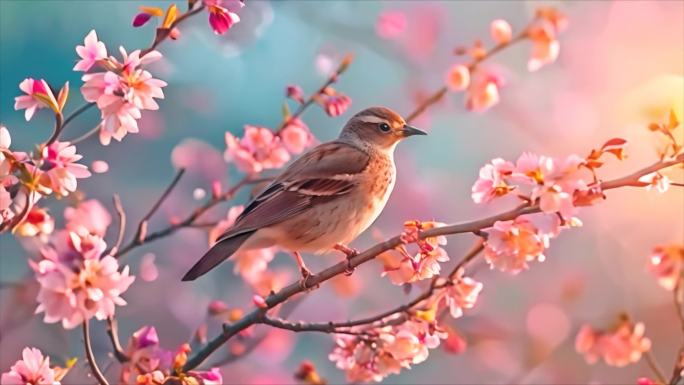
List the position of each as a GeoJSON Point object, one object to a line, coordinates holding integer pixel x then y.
{"type": "Point", "coordinates": [324, 199]}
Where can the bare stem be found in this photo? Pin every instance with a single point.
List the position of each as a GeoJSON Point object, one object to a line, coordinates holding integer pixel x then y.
{"type": "Point", "coordinates": [78, 112]}
{"type": "Point", "coordinates": [655, 368]}
{"type": "Point", "coordinates": [90, 356]}
{"type": "Point", "coordinates": [57, 130]}
{"type": "Point", "coordinates": [122, 223]}
{"type": "Point", "coordinates": [86, 135]}
{"type": "Point", "coordinates": [142, 226]}
{"type": "Point", "coordinates": [113, 332]}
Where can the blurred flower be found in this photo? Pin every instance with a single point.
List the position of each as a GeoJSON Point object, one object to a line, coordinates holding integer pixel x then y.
{"type": "Point", "coordinates": [295, 93]}
{"type": "Point", "coordinates": [461, 293]}
{"type": "Point", "coordinates": [122, 92]}
{"type": "Point", "coordinates": [32, 369]}
{"type": "Point", "coordinates": [667, 264]}
{"type": "Point", "coordinates": [99, 166]}
{"type": "Point", "coordinates": [491, 182]}
{"type": "Point", "coordinates": [620, 346]}
{"type": "Point", "coordinates": [148, 269]}
{"type": "Point", "coordinates": [511, 245]}
{"type": "Point", "coordinates": [333, 102]}
{"type": "Point", "coordinates": [545, 47]}
{"type": "Point", "coordinates": [656, 180]}
{"type": "Point", "coordinates": [482, 93]}
{"type": "Point", "coordinates": [308, 374]}
{"type": "Point", "coordinates": [92, 51]}
{"type": "Point", "coordinates": [39, 95]}
{"type": "Point", "coordinates": [258, 150]}
{"type": "Point", "coordinates": [59, 170]}
{"type": "Point", "coordinates": [458, 77]}
{"type": "Point", "coordinates": [500, 31]}
{"type": "Point", "coordinates": [455, 343]}
{"type": "Point", "coordinates": [222, 18]}
{"type": "Point", "coordinates": [77, 281]}
{"type": "Point", "coordinates": [296, 136]}
{"type": "Point", "coordinates": [37, 223]}
{"type": "Point", "coordinates": [89, 216]}
{"type": "Point", "coordinates": [390, 24]}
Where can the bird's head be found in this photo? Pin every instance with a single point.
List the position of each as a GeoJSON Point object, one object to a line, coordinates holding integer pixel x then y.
{"type": "Point", "coordinates": [379, 126]}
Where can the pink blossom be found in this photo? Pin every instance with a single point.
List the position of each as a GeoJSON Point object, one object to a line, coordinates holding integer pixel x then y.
{"type": "Point", "coordinates": [258, 150]}
{"type": "Point", "coordinates": [99, 166]}
{"type": "Point", "coordinates": [461, 293]}
{"type": "Point", "coordinates": [667, 264]}
{"type": "Point", "coordinates": [91, 52]}
{"type": "Point", "coordinates": [148, 269]}
{"type": "Point", "coordinates": [32, 369]}
{"type": "Point", "coordinates": [482, 93]}
{"type": "Point", "coordinates": [145, 355]}
{"type": "Point", "coordinates": [402, 267]}
{"type": "Point", "coordinates": [123, 92]}
{"type": "Point", "coordinates": [656, 180]}
{"type": "Point", "coordinates": [500, 31]}
{"type": "Point", "coordinates": [221, 18]}
{"type": "Point", "coordinates": [492, 181]}
{"type": "Point", "coordinates": [37, 223]}
{"type": "Point", "coordinates": [458, 77]}
{"type": "Point", "coordinates": [38, 95]}
{"type": "Point", "coordinates": [391, 24]}
{"type": "Point", "coordinates": [512, 244]}
{"type": "Point", "coordinates": [334, 103]}
{"type": "Point", "coordinates": [77, 282]}
{"type": "Point", "coordinates": [296, 137]}
{"type": "Point", "coordinates": [295, 93]}
{"type": "Point", "coordinates": [60, 169]}
{"type": "Point", "coordinates": [621, 346]}
{"type": "Point", "coordinates": [89, 216]}
{"type": "Point", "coordinates": [545, 47]}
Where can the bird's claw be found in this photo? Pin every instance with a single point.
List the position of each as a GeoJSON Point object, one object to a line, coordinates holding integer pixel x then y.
{"type": "Point", "coordinates": [350, 253]}
{"type": "Point", "coordinates": [304, 281]}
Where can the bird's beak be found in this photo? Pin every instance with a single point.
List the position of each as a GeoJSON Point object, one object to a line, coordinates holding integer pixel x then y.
{"type": "Point", "coordinates": [410, 131]}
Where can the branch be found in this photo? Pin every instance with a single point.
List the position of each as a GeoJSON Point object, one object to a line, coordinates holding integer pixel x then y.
{"type": "Point", "coordinates": [655, 368]}
{"type": "Point", "coordinates": [78, 112]}
{"type": "Point", "coordinates": [113, 332]}
{"type": "Point", "coordinates": [122, 224]}
{"type": "Point", "coordinates": [259, 315]}
{"type": "Point", "coordinates": [678, 300]}
{"type": "Point", "coordinates": [57, 130]}
{"type": "Point", "coordinates": [90, 357]}
{"type": "Point", "coordinates": [142, 226]}
{"type": "Point", "coordinates": [163, 33]}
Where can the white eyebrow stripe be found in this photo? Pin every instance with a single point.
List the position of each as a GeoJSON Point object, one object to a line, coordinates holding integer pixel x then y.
{"type": "Point", "coordinates": [372, 119]}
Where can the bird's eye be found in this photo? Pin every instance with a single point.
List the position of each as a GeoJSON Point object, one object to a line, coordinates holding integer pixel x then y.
{"type": "Point", "coordinates": [384, 127]}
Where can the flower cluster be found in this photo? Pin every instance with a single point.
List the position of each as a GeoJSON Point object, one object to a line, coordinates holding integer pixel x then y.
{"type": "Point", "coordinates": [481, 85]}
{"type": "Point", "coordinates": [122, 91]}
{"type": "Point", "coordinates": [403, 267]}
{"type": "Point", "coordinates": [39, 95]}
{"type": "Point", "coordinates": [150, 364]}
{"type": "Point", "coordinates": [78, 280]}
{"type": "Point", "coordinates": [33, 369]}
{"type": "Point", "coordinates": [667, 264]}
{"type": "Point", "coordinates": [385, 350]}
{"type": "Point", "coordinates": [622, 345]}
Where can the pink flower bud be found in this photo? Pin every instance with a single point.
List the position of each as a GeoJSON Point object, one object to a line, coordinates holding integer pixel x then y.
{"type": "Point", "coordinates": [259, 301]}
{"type": "Point", "coordinates": [217, 307]}
{"type": "Point", "coordinates": [501, 31]}
{"type": "Point", "coordinates": [215, 189]}
{"type": "Point", "coordinates": [458, 78]}
{"type": "Point", "coordinates": [391, 24]}
{"type": "Point", "coordinates": [141, 19]}
{"type": "Point", "coordinates": [99, 166]}
{"type": "Point", "coordinates": [295, 93]}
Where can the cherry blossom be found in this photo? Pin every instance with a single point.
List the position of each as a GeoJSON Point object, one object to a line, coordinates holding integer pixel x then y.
{"type": "Point", "coordinates": [295, 93]}
{"type": "Point", "coordinates": [258, 150]}
{"type": "Point", "coordinates": [501, 31]}
{"type": "Point", "coordinates": [77, 282]}
{"type": "Point", "coordinates": [39, 95]}
{"type": "Point", "coordinates": [32, 369]}
{"type": "Point", "coordinates": [482, 92]}
{"type": "Point", "coordinates": [657, 181]}
{"type": "Point", "coordinates": [543, 34]}
{"type": "Point", "coordinates": [620, 346]}
{"type": "Point", "coordinates": [334, 103]}
{"type": "Point", "coordinates": [296, 136]}
{"type": "Point", "coordinates": [391, 24]}
{"type": "Point", "coordinates": [59, 170]}
{"type": "Point", "coordinates": [458, 77]}
{"type": "Point", "coordinates": [38, 223]}
{"type": "Point", "coordinates": [222, 14]}
{"type": "Point", "coordinates": [492, 181]}
{"type": "Point", "coordinates": [512, 244]}
{"type": "Point", "coordinates": [461, 293]}
{"type": "Point", "coordinates": [89, 216]}
{"type": "Point", "coordinates": [667, 264]}
{"type": "Point", "coordinates": [91, 52]}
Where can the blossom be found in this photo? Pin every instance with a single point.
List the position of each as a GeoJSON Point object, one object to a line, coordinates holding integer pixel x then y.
{"type": "Point", "coordinates": [259, 149]}
{"type": "Point", "coordinates": [545, 47]}
{"type": "Point", "coordinates": [122, 92]}
{"type": "Point", "coordinates": [461, 293]}
{"type": "Point", "coordinates": [37, 223]}
{"type": "Point", "coordinates": [483, 92]}
{"type": "Point", "coordinates": [491, 182]}
{"type": "Point", "coordinates": [32, 369]}
{"type": "Point", "coordinates": [221, 18]}
{"type": "Point", "coordinates": [512, 244]}
{"type": "Point", "coordinates": [89, 216]}
{"type": "Point", "coordinates": [145, 355]}
{"type": "Point", "coordinates": [667, 264]}
{"type": "Point", "coordinates": [295, 93]}
{"type": "Point", "coordinates": [458, 77]}
{"type": "Point", "coordinates": [59, 168]}
{"type": "Point", "coordinates": [620, 346]}
{"type": "Point", "coordinates": [391, 24]}
{"type": "Point", "coordinates": [500, 31]}
{"type": "Point", "coordinates": [656, 180]}
{"type": "Point", "coordinates": [90, 52]}
{"type": "Point", "coordinates": [334, 103]}
{"type": "Point", "coordinates": [296, 136]}
{"type": "Point", "coordinates": [39, 95]}
{"type": "Point", "coordinates": [77, 282]}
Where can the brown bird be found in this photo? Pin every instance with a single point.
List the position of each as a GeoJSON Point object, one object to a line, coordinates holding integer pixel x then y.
{"type": "Point", "coordinates": [324, 199]}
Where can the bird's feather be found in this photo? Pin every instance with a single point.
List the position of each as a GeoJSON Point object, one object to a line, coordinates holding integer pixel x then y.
{"type": "Point", "coordinates": [216, 254]}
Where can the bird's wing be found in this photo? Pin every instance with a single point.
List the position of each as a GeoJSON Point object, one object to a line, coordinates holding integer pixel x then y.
{"type": "Point", "coordinates": [328, 171]}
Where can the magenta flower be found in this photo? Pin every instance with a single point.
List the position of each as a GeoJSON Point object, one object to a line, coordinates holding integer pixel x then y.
{"type": "Point", "coordinates": [60, 169]}
{"type": "Point", "coordinates": [222, 16]}
{"type": "Point", "coordinates": [88, 217]}
{"type": "Point", "coordinates": [38, 95]}
{"type": "Point", "coordinates": [92, 51]}
{"type": "Point", "coordinates": [258, 150]}
{"type": "Point", "coordinates": [77, 282]}
{"type": "Point", "coordinates": [334, 103]}
{"type": "Point", "coordinates": [32, 369]}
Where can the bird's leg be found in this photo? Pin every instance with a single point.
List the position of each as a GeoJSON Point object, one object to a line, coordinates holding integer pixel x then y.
{"type": "Point", "coordinates": [350, 253]}
{"type": "Point", "coordinates": [306, 273]}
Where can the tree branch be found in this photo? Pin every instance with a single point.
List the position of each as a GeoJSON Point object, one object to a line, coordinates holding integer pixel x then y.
{"type": "Point", "coordinates": [142, 226]}
{"type": "Point", "coordinates": [113, 332]}
{"type": "Point", "coordinates": [258, 316]}
{"type": "Point", "coordinates": [90, 357]}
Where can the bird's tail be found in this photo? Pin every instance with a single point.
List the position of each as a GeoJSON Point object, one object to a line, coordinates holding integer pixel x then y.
{"type": "Point", "coordinates": [218, 253]}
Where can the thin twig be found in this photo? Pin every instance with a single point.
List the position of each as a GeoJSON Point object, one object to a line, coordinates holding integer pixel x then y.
{"type": "Point", "coordinates": [162, 34]}
{"type": "Point", "coordinates": [122, 224]}
{"type": "Point", "coordinates": [655, 368]}
{"type": "Point", "coordinates": [257, 316]}
{"type": "Point", "coordinates": [141, 233]}
{"type": "Point", "coordinates": [57, 130]}
{"type": "Point", "coordinates": [78, 112]}
{"type": "Point", "coordinates": [113, 332]}
{"type": "Point", "coordinates": [90, 356]}
{"type": "Point", "coordinates": [86, 135]}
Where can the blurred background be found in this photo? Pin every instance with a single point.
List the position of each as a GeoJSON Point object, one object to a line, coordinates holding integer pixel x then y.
{"type": "Point", "coordinates": [621, 66]}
